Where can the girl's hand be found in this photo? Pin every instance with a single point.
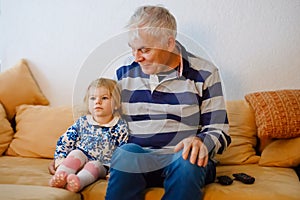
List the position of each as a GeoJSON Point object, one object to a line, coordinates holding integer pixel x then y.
{"type": "Point", "coordinates": [51, 167]}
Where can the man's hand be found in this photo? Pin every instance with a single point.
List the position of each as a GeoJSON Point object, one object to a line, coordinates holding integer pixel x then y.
{"type": "Point", "coordinates": [51, 167]}
{"type": "Point", "coordinates": [194, 147]}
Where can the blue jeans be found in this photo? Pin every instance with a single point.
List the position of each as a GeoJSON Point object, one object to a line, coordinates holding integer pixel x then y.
{"type": "Point", "coordinates": [133, 169]}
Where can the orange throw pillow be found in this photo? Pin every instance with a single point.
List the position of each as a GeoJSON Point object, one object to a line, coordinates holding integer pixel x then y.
{"type": "Point", "coordinates": [277, 113]}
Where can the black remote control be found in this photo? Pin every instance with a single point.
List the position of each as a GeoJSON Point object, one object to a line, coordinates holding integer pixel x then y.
{"type": "Point", "coordinates": [224, 180]}
{"type": "Point", "coordinates": [244, 178]}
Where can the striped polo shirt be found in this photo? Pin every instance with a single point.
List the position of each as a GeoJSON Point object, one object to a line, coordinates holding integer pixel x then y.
{"type": "Point", "coordinates": [163, 109]}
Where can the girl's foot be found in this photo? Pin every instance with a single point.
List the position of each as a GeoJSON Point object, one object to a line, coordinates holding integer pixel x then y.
{"type": "Point", "coordinates": [59, 179]}
{"type": "Point", "coordinates": [73, 183]}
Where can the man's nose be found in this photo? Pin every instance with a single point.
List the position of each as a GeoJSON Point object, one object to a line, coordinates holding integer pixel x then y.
{"type": "Point", "coordinates": [138, 57]}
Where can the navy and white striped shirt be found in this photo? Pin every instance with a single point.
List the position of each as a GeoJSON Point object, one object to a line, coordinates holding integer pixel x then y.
{"type": "Point", "coordinates": [163, 110]}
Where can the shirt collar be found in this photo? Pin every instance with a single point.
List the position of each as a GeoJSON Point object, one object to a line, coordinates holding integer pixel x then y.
{"type": "Point", "coordinates": [184, 61]}
{"type": "Point", "coordinates": [112, 123]}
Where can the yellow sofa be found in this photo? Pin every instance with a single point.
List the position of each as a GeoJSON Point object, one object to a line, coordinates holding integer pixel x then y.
{"type": "Point", "coordinates": [24, 173]}
{"type": "Point", "coordinates": [27, 151]}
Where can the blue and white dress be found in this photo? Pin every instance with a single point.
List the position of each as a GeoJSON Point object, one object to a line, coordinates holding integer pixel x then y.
{"type": "Point", "coordinates": [96, 141]}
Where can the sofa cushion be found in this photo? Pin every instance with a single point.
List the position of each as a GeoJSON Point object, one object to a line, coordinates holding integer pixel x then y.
{"type": "Point", "coordinates": [38, 129]}
{"type": "Point", "coordinates": [27, 178]}
{"type": "Point", "coordinates": [6, 131]}
{"type": "Point", "coordinates": [281, 153]}
{"type": "Point", "coordinates": [277, 113]}
{"type": "Point", "coordinates": [270, 183]}
{"type": "Point", "coordinates": [242, 130]}
{"type": "Point", "coordinates": [18, 86]}
{"type": "Point", "coordinates": [35, 192]}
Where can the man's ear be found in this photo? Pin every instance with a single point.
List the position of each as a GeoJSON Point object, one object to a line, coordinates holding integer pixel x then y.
{"type": "Point", "coordinates": [171, 44]}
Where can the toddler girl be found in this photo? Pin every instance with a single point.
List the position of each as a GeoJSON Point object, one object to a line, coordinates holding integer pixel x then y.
{"type": "Point", "coordinates": [84, 151]}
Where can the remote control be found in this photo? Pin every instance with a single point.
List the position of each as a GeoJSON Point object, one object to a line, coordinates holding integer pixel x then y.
{"type": "Point", "coordinates": [224, 180]}
{"type": "Point", "coordinates": [244, 178]}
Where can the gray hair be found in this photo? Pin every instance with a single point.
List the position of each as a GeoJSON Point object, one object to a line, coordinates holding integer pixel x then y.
{"type": "Point", "coordinates": [156, 21]}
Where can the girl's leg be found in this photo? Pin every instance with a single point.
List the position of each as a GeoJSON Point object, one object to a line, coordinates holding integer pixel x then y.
{"type": "Point", "coordinates": [91, 171]}
{"type": "Point", "coordinates": [73, 162]}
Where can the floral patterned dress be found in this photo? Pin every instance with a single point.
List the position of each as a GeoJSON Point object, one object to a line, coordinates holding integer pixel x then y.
{"type": "Point", "coordinates": [96, 141]}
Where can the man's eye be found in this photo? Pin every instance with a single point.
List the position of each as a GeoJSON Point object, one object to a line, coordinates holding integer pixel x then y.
{"type": "Point", "coordinates": [145, 50]}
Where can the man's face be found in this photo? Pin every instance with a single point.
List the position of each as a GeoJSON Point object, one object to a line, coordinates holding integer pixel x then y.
{"type": "Point", "coordinates": [152, 56]}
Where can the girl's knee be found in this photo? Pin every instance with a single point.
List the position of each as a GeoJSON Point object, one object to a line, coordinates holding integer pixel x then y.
{"type": "Point", "coordinates": [77, 153]}
{"type": "Point", "coordinates": [95, 168]}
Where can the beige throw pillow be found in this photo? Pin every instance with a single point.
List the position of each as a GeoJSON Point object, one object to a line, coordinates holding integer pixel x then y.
{"type": "Point", "coordinates": [17, 87]}
{"type": "Point", "coordinates": [38, 129]}
{"type": "Point", "coordinates": [6, 131]}
{"type": "Point", "coordinates": [242, 130]}
{"type": "Point", "coordinates": [281, 153]}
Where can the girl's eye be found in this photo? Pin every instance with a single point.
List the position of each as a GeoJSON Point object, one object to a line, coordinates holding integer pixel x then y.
{"type": "Point", "coordinates": [92, 98]}
{"type": "Point", "coordinates": [104, 98]}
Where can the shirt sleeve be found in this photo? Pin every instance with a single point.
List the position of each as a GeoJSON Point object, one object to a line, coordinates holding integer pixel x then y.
{"type": "Point", "coordinates": [213, 116]}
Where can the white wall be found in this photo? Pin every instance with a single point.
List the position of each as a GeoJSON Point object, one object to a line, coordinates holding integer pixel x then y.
{"type": "Point", "coordinates": [255, 43]}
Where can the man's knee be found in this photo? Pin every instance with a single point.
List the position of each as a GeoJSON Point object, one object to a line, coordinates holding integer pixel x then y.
{"type": "Point", "coordinates": [131, 147]}
{"type": "Point", "coordinates": [191, 172]}
{"type": "Point", "coordinates": [194, 172]}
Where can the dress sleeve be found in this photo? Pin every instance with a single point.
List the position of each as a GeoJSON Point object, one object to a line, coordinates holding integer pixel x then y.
{"type": "Point", "coordinates": [123, 134]}
{"type": "Point", "coordinates": [67, 142]}
{"type": "Point", "coordinates": [213, 116]}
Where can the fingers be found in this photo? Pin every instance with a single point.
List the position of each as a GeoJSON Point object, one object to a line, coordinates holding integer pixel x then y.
{"type": "Point", "coordinates": [203, 156]}
{"type": "Point", "coordinates": [178, 147]}
{"type": "Point", "coordinates": [195, 153]}
{"type": "Point", "coordinates": [187, 145]}
{"type": "Point", "coordinates": [199, 153]}
{"type": "Point", "coordinates": [194, 148]}
{"type": "Point", "coordinates": [51, 167]}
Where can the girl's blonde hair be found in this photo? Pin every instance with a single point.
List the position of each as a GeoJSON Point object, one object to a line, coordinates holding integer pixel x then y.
{"type": "Point", "coordinates": [112, 87]}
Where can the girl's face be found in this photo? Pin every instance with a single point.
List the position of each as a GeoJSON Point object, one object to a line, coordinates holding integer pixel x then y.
{"type": "Point", "coordinates": [101, 104]}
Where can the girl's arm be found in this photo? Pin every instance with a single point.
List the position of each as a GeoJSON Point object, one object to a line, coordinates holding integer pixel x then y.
{"type": "Point", "coordinates": [123, 134]}
{"type": "Point", "coordinates": [66, 143]}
